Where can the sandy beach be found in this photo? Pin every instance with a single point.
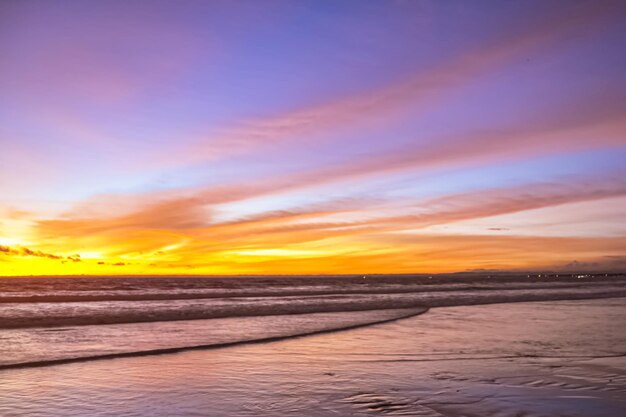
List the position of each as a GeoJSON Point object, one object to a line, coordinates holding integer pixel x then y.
{"type": "Point", "coordinates": [557, 358]}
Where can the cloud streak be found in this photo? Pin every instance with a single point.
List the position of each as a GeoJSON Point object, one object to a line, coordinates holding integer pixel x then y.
{"type": "Point", "coordinates": [570, 130]}
{"type": "Point", "coordinates": [320, 227]}
{"type": "Point", "coordinates": [422, 89]}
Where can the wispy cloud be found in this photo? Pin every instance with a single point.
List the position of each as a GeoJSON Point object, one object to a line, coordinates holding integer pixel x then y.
{"type": "Point", "coordinates": [568, 130]}
{"type": "Point", "coordinates": [195, 239]}
{"type": "Point", "coordinates": [424, 88]}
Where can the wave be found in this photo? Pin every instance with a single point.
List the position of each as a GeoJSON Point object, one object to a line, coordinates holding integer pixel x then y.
{"type": "Point", "coordinates": [23, 315]}
{"type": "Point", "coordinates": [73, 346]}
{"type": "Point", "coordinates": [68, 296]}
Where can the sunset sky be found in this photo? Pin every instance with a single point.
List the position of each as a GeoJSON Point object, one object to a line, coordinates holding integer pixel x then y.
{"type": "Point", "coordinates": [258, 137]}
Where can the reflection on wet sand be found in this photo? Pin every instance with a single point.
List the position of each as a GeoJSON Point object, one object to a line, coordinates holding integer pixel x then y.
{"type": "Point", "coordinates": [534, 359]}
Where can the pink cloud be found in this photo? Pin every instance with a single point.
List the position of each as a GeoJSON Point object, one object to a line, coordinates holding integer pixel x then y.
{"type": "Point", "coordinates": [423, 89]}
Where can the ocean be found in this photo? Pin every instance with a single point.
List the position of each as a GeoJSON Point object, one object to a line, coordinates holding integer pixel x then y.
{"type": "Point", "coordinates": [287, 346]}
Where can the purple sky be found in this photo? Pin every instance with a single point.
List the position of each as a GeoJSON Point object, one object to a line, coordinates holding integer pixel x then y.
{"type": "Point", "coordinates": [371, 134]}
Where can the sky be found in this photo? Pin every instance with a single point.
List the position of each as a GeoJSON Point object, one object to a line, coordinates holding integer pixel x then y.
{"type": "Point", "coordinates": [310, 137]}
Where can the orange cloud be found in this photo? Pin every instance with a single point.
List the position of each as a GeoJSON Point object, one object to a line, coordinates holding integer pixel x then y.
{"type": "Point", "coordinates": [333, 238]}
{"type": "Point", "coordinates": [183, 213]}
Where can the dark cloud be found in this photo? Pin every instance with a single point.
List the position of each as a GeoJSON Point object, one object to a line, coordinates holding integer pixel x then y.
{"type": "Point", "coordinates": [22, 251]}
{"type": "Point", "coordinates": [604, 264]}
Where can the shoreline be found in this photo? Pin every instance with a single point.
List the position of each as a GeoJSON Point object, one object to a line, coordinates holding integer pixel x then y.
{"type": "Point", "coordinates": [416, 311]}
{"type": "Point", "coordinates": [532, 358]}
{"type": "Point", "coordinates": [411, 312]}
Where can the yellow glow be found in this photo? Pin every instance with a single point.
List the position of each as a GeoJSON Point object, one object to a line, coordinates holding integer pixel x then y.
{"type": "Point", "coordinates": [277, 252]}
{"type": "Point", "coordinates": [91, 255]}
{"type": "Point", "coordinates": [9, 241]}
{"type": "Point", "coordinates": [424, 253]}
{"type": "Point", "coordinates": [282, 244]}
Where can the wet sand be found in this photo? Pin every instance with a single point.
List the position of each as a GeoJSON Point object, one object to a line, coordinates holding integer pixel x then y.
{"type": "Point", "coordinates": [558, 358]}
{"type": "Point", "coordinates": [31, 347]}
